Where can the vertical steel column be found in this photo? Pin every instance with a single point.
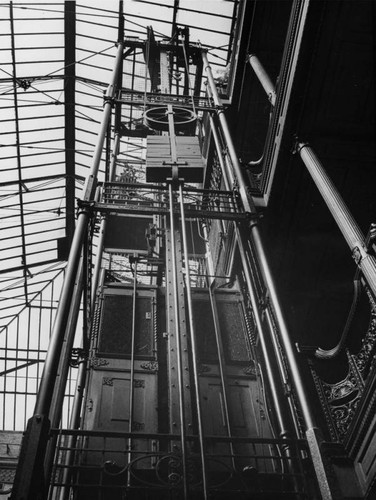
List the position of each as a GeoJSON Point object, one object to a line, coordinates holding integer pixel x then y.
{"type": "Point", "coordinates": [193, 342]}
{"type": "Point", "coordinates": [52, 359]}
{"type": "Point", "coordinates": [271, 92]}
{"type": "Point", "coordinates": [178, 343]}
{"type": "Point", "coordinates": [248, 206]}
{"type": "Point", "coordinates": [283, 427]}
{"type": "Point", "coordinates": [284, 378]}
{"type": "Point", "coordinates": [28, 481]}
{"type": "Point", "coordinates": [131, 388]}
{"type": "Point", "coordinates": [74, 422]}
{"type": "Point", "coordinates": [62, 375]}
{"type": "Point", "coordinates": [312, 433]}
{"type": "Point", "coordinates": [341, 214]}
{"type": "Point", "coordinates": [103, 226]}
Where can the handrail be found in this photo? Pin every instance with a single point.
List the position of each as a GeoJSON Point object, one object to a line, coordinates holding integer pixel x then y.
{"type": "Point", "coordinates": [334, 351]}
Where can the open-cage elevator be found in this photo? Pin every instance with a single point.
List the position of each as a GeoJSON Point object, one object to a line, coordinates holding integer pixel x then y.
{"type": "Point", "coordinates": [188, 385]}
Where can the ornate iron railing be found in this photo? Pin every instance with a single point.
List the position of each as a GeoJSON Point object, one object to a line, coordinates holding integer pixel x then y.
{"type": "Point", "coordinates": [100, 465]}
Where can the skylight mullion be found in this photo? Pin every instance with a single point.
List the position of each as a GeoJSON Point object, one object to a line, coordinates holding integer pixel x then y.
{"type": "Point", "coordinates": [22, 220]}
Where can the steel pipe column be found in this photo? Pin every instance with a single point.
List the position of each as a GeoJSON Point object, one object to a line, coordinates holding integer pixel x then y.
{"type": "Point", "coordinates": [52, 359]}
{"type": "Point", "coordinates": [263, 77]}
{"type": "Point", "coordinates": [248, 206]}
{"type": "Point", "coordinates": [28, 483]}
{"type": "Point", "coordinates": [282, 424]}
{"type": "Point", "coordinates": [341, 214]}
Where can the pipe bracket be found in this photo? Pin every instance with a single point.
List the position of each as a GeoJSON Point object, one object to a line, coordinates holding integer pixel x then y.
{"type": "Point", "coordinates": [85, 206]}
{"type": "Point", "coordinates": [359, 253]}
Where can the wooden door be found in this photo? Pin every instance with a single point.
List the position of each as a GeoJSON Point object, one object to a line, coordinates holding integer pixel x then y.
{"type": "Point", "coordinates": [243, 396]}
{"type": "Point", "coordinates": [109, 389]}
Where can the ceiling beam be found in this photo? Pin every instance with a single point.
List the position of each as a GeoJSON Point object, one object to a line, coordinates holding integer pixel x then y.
{"type": "Point", "coordinates": [69, 108]}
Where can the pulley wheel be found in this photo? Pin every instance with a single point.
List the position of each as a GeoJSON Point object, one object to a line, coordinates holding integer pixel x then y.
{"type": "Point", "coordinates": [157, 118]}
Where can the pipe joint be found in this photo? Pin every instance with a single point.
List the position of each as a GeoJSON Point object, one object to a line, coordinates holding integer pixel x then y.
{"type": "Point", "coordinates": [359, 253]}
{"type": "Point", "coordinates": [272, 96]}
{"type": "Point", "coordinates": [109, 99]}
{"type": "Point", "coordinates": [78, 355]}
{"type": "Point", "coordinates": [298, 146]}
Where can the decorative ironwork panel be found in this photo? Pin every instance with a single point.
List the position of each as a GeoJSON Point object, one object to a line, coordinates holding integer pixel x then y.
{"type": "Point", "coordinates": [234, 336]}
{"type": "Point", "coordinates": [364, 358]}
{"type": "Point", "coordinates": [115, 335]}
{"type": "Point", "coordinates": [231, 326]}
{"type": "Point", "coordinates": [204, 329]}
{"type": "Point", "coordinates": [339, 402]}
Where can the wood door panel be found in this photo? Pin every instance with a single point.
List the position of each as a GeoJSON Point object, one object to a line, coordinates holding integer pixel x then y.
{"type": "Point", "coordinates": [114, 403]}
{"type": "Point", "coordinates": [109, 403]}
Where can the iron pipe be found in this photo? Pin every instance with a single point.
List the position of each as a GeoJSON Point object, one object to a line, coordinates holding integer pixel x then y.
{"type": "Point", "coordinates": [218, 147]}
{"type": "Point", "coordinates": [341, 214]}
{"type": "Point", "coordinates": [278, 356]}
{"type": "Point", "coordinates": [283, 428]}
{"type": "Point", "coordinates": [254, 301]}
{"type": "Point", "coordinates": [74, 422]}
{"type": "Point", "coordinates": [247, 202]}
{"type": "Point", "coordinates": [263, 77]}
{"type": "Point", "coordinates": [62, 375]}
{"type": "Point", "coordinates": [47, 383]}
{"type": "Point", "coordinates": [312, 432]}
{"type": "Point", "coordinates": [103, 226]}
{"type": "Point", "coordinates": [264, 265]}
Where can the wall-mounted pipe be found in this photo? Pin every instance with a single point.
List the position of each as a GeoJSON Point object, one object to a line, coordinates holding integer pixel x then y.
{"type": "Point", "coordinates": [262, 75]}
{"type": "Point", "coordinates": [341, 214]}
